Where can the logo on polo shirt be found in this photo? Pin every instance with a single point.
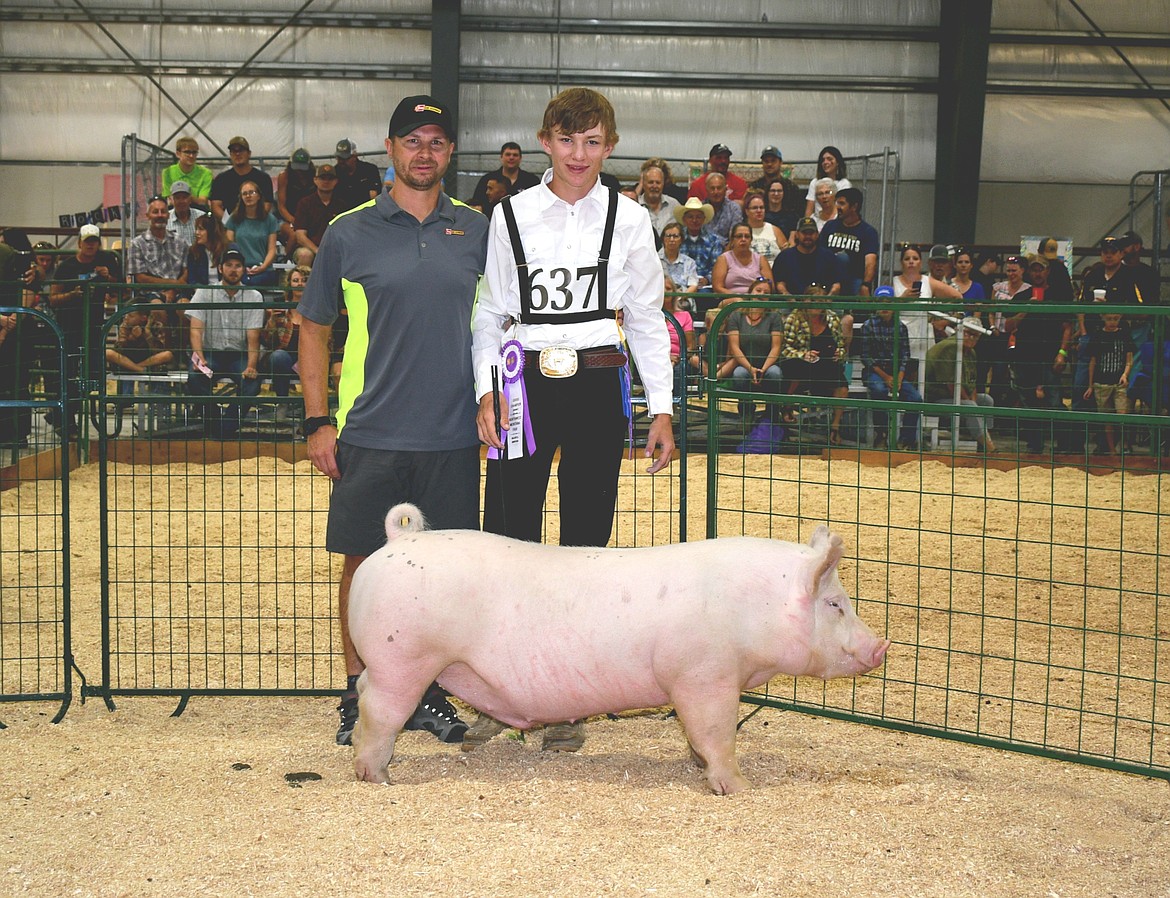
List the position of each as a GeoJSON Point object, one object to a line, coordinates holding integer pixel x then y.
{"type": "Point", "coordinates": [454, 232]}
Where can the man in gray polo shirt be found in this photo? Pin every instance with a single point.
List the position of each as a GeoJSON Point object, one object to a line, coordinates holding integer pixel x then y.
{"type": "Point", "coordinates": [407, 266]}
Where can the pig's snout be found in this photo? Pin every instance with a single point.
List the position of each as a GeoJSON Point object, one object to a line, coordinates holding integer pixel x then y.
{"type": "Point", "coordinates": [866, 656]}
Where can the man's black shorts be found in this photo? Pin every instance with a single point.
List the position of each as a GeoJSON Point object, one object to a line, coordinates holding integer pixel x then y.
{"type": "Point", "coordinates": [444, 486]}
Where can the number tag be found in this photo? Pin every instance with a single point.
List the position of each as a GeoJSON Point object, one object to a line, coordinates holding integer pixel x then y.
{"type": "Point", "coordinates": [559, 290]}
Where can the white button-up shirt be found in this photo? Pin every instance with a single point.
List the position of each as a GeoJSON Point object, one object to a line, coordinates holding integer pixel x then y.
{"type": "Point", "coordinates": [561, 244]}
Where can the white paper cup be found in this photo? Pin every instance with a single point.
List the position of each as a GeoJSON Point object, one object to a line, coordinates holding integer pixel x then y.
{"type": "Point", "coordinates": [1098, 296]}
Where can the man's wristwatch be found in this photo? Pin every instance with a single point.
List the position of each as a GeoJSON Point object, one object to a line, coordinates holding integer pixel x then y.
{"type": "Point", "coordinates": [311, 425]}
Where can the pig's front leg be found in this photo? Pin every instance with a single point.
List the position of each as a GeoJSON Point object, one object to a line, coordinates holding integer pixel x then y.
{"type": "Point", "coordinates": [708, 715]}
{"type": "Point", "coordinates": [381, 715]}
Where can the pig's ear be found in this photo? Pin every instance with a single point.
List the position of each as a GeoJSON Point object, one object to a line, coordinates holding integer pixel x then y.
{"type": "Point", "coordinates": [831, 548]}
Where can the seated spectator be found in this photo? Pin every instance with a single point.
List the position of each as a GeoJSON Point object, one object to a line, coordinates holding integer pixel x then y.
{"type": "Point", "coordinates": [293, 184]}
{"type": "Point", "coordinates": [830, 164]}
{"type": "Point", "coordinates": [728, 213]}
{"type": "Point", "coordinates": [777, 214]}
{"type": "Point", "coordinates": [253, 230]}
{"type": "Point", "coordinates": [725, 363]}
{"type": "Point", "coordinates": [659, 205]}
{"type": "Point", "coordinates": [358, 181]}
{"type": "Point", "coordinates": [675, 191]}
{"type": "Point", "coordinates": [814, 356]}
{"type": "Point", "coordinates": [883, 378]}
{"type": "Point", "coordinates": [141, 343]}
{"type": "Point", "coordinates": [197, 177]}
{"type": "Point", "coordinates": [281, 337]}
{"type": "Point", "coordinates": [826, 197]}
{"type": "Point", "coordinates": [772, 164]}
{"type": "Point", "coordinates": [302, 257]}
{"type": "Point", "coordinates": [225, 340]}
{"type": "Point", "coordinates": [509, 174]}
{"type": "Point", "coordinates": [317, 209]}
{"type": "Point", "coordinates": [754, 338]}
{"type": "Point", "coordinates": [697, 243]}
{"type": "Point", "coordinates": [855, 241]}
{"type": "Point", "coordinates": [225, 188]}
{"type": "Point", "coordinates": [181, 222]}
{"type": "Point", "coordinates": [940, 379]}
{"type": "Point", "coordinates": [737, 269]}
{"type": "Point", "coordinates": [767, 239]}
{"type": "Point", "coordinates": [156, 257]}
{"type": "Point", "coordinates": [970, 289]}
{"type": "Point", "coordinates": [1110, 355]}
{"type": "Point", "coordinates": [806, 263]}
{"type": "Point", "coordinates": [719, 161]}
{"type": "Point", "coordinates": [678, 266]}
{"type": "Point", "coordinates": [205, 254]}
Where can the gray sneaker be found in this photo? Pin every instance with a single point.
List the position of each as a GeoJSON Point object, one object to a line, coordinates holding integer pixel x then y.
{"type": "Point", "coordinates": [563, 736]}
{"type": "Point", "coordinates": [482, 731]}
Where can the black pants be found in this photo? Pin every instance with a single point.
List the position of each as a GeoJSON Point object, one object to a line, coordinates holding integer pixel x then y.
{"type": "Point", "coordinates": [583, 416]}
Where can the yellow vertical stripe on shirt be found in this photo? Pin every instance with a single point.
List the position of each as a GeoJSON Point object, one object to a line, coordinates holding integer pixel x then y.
{"type": "Point", "coordinates": [357, 345]}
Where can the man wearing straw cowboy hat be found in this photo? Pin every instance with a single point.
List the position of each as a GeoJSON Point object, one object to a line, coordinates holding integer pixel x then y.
{"type": "Point", "coordinates": [697, 242]}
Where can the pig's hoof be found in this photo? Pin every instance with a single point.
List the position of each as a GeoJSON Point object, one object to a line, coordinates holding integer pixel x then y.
{"type": "Point", "coordinates": [481, 732]}
{"type": "Point", "coordinates": [728, 784]}
{"type": "Point", "coordinates": [371, 775]}
{"type": "Point", "coordinates": [563, 737]}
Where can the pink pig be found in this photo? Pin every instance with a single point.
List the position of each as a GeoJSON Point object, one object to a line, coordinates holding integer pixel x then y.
{"type": "Point", "coordinates": [534, 634]}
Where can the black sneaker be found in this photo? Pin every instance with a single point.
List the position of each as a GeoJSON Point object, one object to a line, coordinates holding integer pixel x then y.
{"type": "Point", "coordinates": [436, 715]}
{"type": "Point", "coordinates": [348, 709]}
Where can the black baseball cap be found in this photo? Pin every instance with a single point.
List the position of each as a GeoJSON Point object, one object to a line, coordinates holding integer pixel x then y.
{"type": "Point", "coordinates": [232, 252]}
{"type": "Point", "coordinates": [720, 149]}
{"type": "Point", "coordinates": [414, 112]}
{"type": "Point", "coordinates": [807, 225]}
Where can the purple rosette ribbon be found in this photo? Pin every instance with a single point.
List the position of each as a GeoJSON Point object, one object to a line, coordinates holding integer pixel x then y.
{"type": "Point", "coordinates": [518, 441]}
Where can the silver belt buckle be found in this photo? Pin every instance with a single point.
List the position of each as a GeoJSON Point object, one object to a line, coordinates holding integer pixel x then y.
{"type": "Point", "coordinates": [558, 361]}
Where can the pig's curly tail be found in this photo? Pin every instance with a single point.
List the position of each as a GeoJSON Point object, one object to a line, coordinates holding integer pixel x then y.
{"type": "Point", "coordinates": [404, 518]}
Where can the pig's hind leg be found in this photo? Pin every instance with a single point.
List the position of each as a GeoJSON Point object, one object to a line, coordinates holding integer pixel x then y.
{"type": "Point", "coordinates": [708, 718]}
{"type": "Point", "coordinates": [382, 712]}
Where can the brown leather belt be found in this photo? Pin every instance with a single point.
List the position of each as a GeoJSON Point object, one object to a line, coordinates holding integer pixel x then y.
{"type": "Point", "coordinates": [596, 357]}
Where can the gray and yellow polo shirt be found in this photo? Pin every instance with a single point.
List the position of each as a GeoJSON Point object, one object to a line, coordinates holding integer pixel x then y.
{"type": "Point", "coordinates": [409, 289]}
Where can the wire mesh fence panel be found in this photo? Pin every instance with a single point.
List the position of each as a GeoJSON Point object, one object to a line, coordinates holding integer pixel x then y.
{"type": "Point", "coordinates": [35, 456]}
{"type": "Point", "coordinates": [215, 575]}
{"type": "Point", "coordinates": [1022, 590]}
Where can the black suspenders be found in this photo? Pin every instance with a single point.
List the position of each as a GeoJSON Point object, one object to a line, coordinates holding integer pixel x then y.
{"type": "Point", "coordinates": [527, 316]}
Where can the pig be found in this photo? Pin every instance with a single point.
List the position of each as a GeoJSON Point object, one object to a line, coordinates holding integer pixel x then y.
{"type": "Point", "coordinates": [533, 634]}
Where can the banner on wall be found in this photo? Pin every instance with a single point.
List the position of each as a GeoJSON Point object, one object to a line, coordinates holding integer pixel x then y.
{"type": "Point", "coordinates": [100, 215]}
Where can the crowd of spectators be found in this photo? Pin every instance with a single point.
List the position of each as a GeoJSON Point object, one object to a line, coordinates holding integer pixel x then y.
{"type": "Point", "coordinates": [721, 239]}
